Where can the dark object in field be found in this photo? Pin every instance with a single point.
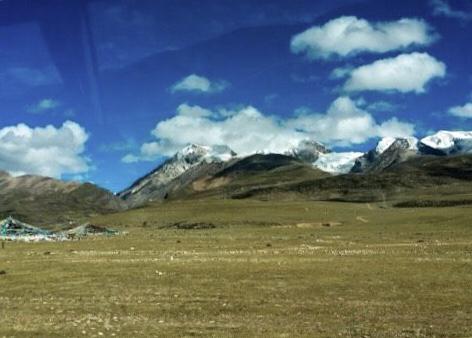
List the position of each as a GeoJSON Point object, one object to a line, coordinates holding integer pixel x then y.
{"type": "Point", "coordinates": [3, 272]}
{"type": "Point", "coordinates": [191, 226]}
{"type": "Point", "coordinates": [432, 203]}
{"type": "Point", "coordinates": [89, 229]}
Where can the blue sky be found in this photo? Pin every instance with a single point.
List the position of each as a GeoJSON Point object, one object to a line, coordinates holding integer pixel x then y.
{"type": "Point", "coordinates": [104, 91]}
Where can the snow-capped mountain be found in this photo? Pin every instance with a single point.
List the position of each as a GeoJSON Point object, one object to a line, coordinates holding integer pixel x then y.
{"type": "Point", "coordinates": [447, 143]}
{"type": "Point", "coordinates": [195, 164]}
{"type": "Point", "coordinates": [307, 151]}
{"type": "Point", "coordinates": [387, 142]}
{"type": "Point", "coordinates": [337, 163]}
{"type": "Point", "coordinates": [153, 184]}
{"type": "Point", "coordinates": [197, 153]}
{"type": "Point", "coordinates": [388, 151]}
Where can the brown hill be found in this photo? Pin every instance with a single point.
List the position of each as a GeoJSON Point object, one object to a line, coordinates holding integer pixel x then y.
{"type": "Point", "coordinates": [45, 201]}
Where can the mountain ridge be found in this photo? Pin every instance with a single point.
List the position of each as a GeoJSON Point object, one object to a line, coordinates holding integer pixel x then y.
{"type": "Point", "coordinates": [203, 173]}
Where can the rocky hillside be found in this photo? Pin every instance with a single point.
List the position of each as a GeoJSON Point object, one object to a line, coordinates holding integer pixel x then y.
{"type": "Point", "coordinates": [388, 152]}
{"type": "Point", "coordinates": [257, 171]}
{"type": "Point", "coordinates": [43, 200]}
{"type": "Point", "coordinates": [193, 161]}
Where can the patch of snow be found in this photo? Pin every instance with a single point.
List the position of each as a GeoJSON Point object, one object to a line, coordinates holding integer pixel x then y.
{"type": "Point", "coordinates": [450, 141]}
{"type": "Point", "coordinates": [337, 163]}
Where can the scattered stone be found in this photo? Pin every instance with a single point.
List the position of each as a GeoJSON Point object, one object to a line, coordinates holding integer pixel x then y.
{"type": "Point", "coordinates": [88, 229]}
{"type": "Point", "coordinates": [191, 226]}
{"type": "Point", "coordinates": [3, 272]}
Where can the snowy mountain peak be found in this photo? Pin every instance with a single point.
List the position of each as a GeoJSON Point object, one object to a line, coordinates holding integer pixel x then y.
{"type": "Point", "coordinates": [387, 142]}
{"type": "Point", "coordinates": [449, 142]}
{"type": "Point", "coordinates": [308, 151]}
{"type": "Point", "coordinates": [190, 156]}
{"type": "Point", "coordinates": [195, 153]}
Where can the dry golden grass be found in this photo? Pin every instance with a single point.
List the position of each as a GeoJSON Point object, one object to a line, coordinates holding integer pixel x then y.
{"type": "Point", "coordinates": [403, 273]}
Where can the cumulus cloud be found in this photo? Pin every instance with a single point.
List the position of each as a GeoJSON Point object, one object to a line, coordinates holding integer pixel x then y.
{"type": "Point", "coordinates": [462, 111]}
{"type": "Point", "coordinates": [349, 35]}
{"type": "Point", "coordinates": [442, 8]}
{"type": "Point", "coordinates": [403, 73]}
{"type": "Point", "coordinates": [43, 106]}
{"type": "Point", "coordinates": [346, 123]}
{"type": "Point", "coordinates": [47, 151]}
{"type": "Point", "coordinates": [198, 84]}
{"type": "Point", "coordinates": [247, 130]}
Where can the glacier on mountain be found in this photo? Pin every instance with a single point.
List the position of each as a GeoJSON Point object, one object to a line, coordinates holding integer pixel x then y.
{"type": "Point", "coordinates": [337, 163]}
{"type": "Point", "coordinates": [449, 142]}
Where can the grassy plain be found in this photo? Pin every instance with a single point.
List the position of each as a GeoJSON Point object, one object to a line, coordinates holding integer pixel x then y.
{"type": "Point", "coordinates": [268, 269]}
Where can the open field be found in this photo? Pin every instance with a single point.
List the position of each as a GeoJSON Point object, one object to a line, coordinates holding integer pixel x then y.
{"type": "Point", "coordinates": [268, 269]}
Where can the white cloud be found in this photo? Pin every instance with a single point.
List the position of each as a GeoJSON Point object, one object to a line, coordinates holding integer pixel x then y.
{"type": "Point", "coordinates": [462, 111]}
{"type": "Point", "coordinates": [442, 8]}
{"type": "Point", "coordinates": [47, 151]}
{"type": "Point", "coordinates": [43, 106]}
{"type": "Point", "coordinates": [345, 123]}
{"type": "Point", "coordinates": [193, 111]}
{"type": "Point", "coordinates": [198, 84]}
{"type": "Point", "coordinates": [404, 73]}
{"type": "Point", "coordinates": [383, 106]}
{"type": "Point", "coordinates": [247, 130]}
{"type": "Point", "coordinates": [340, 72]}
{"type": "Point", "coordinates": [130, 158]}
{"type": "Point", "coordinates": [349, 35]}
{"type": "Point", "coordinates": [395, 128]}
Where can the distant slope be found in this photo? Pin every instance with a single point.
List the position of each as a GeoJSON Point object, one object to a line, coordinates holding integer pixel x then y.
{"type": "Point", "coordinates": [43, 201]}
{"type": "Point", "coordinates": [418, 176]}
{"type": "Point", "coordinates": [203, 167]}
{"type": "Point", "coordinates": [258, 171]}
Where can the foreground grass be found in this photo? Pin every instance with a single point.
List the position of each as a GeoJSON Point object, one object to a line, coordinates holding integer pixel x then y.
{"type": "Point", "coordinates": [268, 269]}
